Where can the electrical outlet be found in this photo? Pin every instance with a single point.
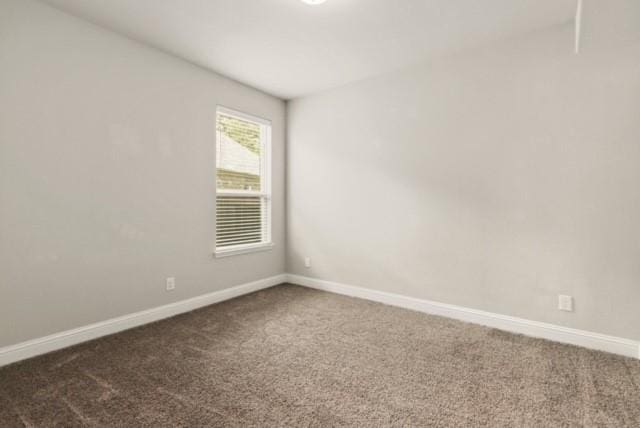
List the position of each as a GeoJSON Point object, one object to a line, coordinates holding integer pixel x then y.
{"type": "Point", "coordinates": [307, 262]}
{"type": "Point", "coordinates": [171, 284]}
{"type": "Point", "coordinates": [565, 303]}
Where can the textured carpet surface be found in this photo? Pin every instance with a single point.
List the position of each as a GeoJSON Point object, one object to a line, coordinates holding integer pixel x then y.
{"type": "Point", "coordinates": [290, 356]}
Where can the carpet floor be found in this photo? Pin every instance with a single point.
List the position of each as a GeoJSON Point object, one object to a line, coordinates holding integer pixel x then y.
{"type": "Point", "coordinates": [291, 356]}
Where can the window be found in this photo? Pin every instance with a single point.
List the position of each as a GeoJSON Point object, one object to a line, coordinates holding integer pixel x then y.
{"type": "Point", "coordinates": [243, 183]}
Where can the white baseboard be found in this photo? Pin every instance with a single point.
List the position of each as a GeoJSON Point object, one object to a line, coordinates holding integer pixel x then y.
{"type": "Point", "coordinates": [43, 345]}
{"type": "Point", "coordinates": [586, 339]}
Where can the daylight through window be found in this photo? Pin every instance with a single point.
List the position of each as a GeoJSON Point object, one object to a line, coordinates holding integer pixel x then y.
{"type": "Point", "coordinates": [243, 190]}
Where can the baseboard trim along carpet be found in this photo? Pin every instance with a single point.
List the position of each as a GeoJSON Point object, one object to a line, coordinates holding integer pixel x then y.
{"type": "Point", "coordinates": [586, 339]}
{"type": "Point", "coordinates": [32, 348]}
{"type": "Point", "coordinates": [43, 345]}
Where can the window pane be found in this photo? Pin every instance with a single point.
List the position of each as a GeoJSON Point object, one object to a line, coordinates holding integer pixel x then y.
{"type": "Point", "coordinates": [238, 152]}
{"type": "Point", "coordinates": [242, 204]}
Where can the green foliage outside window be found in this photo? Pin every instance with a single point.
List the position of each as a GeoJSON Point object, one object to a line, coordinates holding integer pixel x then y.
{"type": "Point", "coordinates": [245, 133]}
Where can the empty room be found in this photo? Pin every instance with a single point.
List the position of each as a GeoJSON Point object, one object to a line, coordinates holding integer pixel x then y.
{"type": "Point", "coordinates": [319, 213]}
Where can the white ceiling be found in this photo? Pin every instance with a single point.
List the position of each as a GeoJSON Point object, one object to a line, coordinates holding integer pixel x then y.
{"type": "Point", "coordinates": [290, 49]}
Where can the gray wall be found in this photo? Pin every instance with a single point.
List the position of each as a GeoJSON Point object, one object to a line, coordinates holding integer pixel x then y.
{"type": "Point", "coordinates": [494, 180]}
{"type": "Point", "coordinates": [107, 163]}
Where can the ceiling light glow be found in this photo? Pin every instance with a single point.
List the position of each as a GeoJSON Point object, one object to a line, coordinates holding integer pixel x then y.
{"type": "Point", "coordinates": [313, 2]}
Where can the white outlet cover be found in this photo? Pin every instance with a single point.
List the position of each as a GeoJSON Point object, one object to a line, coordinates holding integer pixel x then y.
{"type": "Point", "coordinates": [171, 284]}
{"type": "Point", "coordinates": [307, 262]}
{"type": "Point", "coordinates": [565, 303]}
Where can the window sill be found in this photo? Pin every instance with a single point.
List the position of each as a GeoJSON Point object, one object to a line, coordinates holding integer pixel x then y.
{"type": "Point", "coordinates": [243, 249]}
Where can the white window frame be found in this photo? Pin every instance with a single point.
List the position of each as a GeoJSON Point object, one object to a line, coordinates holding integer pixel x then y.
{"type": "Point", "coordinates": [265, 185]}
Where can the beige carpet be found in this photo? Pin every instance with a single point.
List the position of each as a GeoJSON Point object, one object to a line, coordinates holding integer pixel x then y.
{"type": "Point", "coordinates": [290, 356]}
